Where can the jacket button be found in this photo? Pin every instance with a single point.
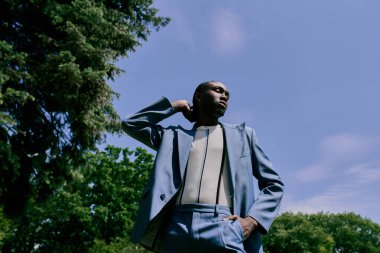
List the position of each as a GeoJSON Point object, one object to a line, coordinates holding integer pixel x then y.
{"type": "Point", "coordinates": [162, 196]}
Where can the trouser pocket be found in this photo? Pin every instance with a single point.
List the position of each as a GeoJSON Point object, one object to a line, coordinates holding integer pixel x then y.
{"type": "Point", "coordinates": [232, 235]}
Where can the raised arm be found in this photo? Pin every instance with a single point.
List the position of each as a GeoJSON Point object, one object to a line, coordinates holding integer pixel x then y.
{"type": "Point", "coordinates": [143, 126]}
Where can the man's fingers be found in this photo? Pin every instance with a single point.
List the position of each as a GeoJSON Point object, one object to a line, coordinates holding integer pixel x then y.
{"type": "Point", "coordinates": [231, 217]}
{"type": "Point", "coordinates": [181, 105]}
{"type": "Point", "coordinates": [188, 113]}
{"type": "Point", "coordinates": [188, 116]}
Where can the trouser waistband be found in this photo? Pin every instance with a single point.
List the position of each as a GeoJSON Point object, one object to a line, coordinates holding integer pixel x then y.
{"type": "Point", "coordinates": [203, 208]}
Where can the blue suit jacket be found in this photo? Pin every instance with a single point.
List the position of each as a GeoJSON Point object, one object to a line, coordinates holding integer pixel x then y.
{"type": "Point", "coordinates": [245, 160]}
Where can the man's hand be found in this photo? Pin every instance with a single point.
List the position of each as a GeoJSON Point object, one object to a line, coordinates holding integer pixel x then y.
{"type": "Point", "coordinates": [184, 107]}
{"type": "Point", "coordinates": [249, 224]}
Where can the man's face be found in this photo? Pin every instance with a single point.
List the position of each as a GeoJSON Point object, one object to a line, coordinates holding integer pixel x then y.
{"type": "Point", "coordinates": [213, 101]}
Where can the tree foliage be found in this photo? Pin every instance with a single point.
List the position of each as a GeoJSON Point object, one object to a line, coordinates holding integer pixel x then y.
{"type": "Point", "coordinates": [351, 232]}
{"type": "Point", "coordinates": [294, 233]}
{"type": "Point", "coordinates": [317, 233]}
{"type": "Point", "coordinates": [55, 59]}
{"type": "Point", "coordinates": [4, 228]}
{"type": "Point", "coordinates": [92, 213]}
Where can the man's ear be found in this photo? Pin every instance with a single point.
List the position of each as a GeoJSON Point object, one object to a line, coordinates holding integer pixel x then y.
{"type": "Point", "coordinates": [198, 96]}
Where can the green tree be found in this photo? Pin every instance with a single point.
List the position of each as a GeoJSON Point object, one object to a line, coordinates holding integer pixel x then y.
{"type": "Point", "coordinates": [94, 212]}
{"type": "Point", "coordinates": [350, 231]}
{"type": "Point", "coordinates": [55, 59]}
{"type": "Point", "coordinates": [4, 228]}
{"type": "Point", "coordinates": [322, 232]}
{"type": "Point", "coordinates": [295, 233]}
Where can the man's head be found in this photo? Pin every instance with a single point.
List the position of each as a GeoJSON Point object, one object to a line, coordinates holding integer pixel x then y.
{"type": "Point", "coordinates": [210, 100]}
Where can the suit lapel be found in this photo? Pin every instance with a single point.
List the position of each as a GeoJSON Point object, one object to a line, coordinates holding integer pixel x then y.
{"type": "Point", "coordinates": [234, 145]}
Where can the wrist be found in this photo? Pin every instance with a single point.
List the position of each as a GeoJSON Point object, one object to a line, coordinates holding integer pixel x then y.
{"type": "Point", "coordinates": [252, 221]}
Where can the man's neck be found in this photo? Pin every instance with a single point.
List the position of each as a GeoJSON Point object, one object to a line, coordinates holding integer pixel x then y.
{"type": "Point", "coordinates": [207, 122]}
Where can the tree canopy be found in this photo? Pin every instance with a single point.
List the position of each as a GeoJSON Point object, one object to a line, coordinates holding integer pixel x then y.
{"type": "Point", "coordinates": [56, 57]}
{"type": "Point", "coordinates": [94, 212]}
{"type": "Point", "coordinates": [323, 232]}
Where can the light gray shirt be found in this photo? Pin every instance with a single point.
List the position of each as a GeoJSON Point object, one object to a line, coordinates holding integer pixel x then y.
{"type": "Point", "coordinates": [203, 170]}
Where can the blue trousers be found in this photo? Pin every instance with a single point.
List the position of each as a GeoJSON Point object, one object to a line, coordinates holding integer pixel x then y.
{"type": "Point", "coordinates": [200, 228]}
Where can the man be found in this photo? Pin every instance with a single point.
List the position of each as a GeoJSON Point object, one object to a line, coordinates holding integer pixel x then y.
{"type": "Point", "coordinates": [200, 196]}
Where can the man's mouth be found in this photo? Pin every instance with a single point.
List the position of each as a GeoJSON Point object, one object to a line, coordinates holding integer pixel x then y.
{"type": "Point", "coordinates": [223, 104]}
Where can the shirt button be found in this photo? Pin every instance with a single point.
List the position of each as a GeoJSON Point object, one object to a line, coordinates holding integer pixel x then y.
{"type": "Point", "coordinates": [162, 196]}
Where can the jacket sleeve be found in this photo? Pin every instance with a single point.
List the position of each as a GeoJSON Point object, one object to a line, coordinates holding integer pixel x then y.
{"type": "Point", "coordinates": [267, 204]}
{"type": "Point", "coordinates": [143, 126]}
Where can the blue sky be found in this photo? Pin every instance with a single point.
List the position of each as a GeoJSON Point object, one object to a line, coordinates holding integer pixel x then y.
{"type": "Point", "coordinates": [304, 74]}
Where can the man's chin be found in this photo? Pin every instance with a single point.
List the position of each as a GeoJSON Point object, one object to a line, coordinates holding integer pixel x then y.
{"type": "Point", "coordinates": [220, 112]}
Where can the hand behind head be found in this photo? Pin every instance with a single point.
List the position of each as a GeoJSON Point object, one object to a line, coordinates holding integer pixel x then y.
{"type": "Point", "coordinates": [189, 114]}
